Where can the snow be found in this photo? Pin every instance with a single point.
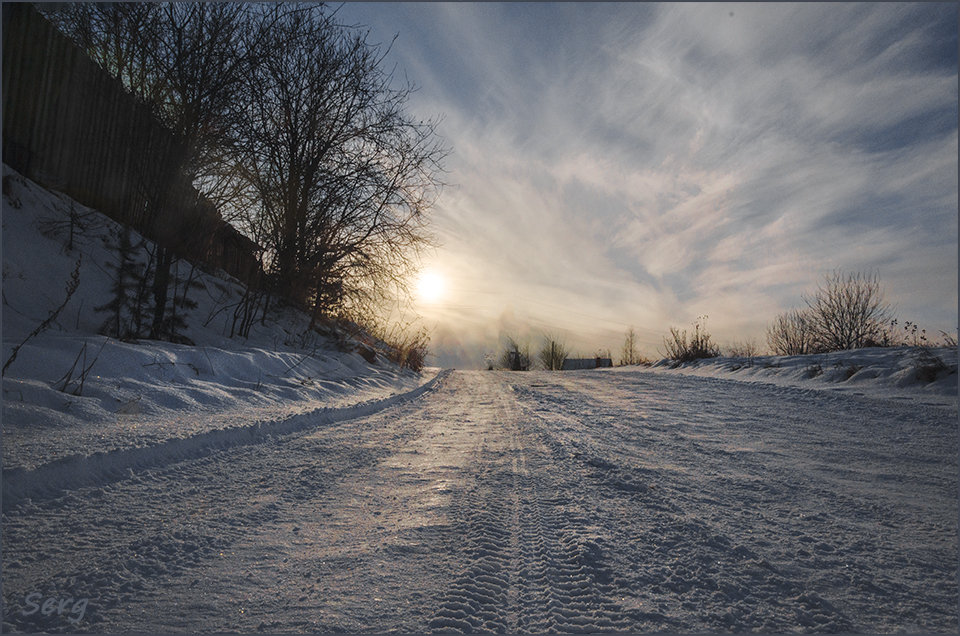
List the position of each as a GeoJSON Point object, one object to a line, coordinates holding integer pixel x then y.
{"type": "Point", "coordinates": [147, 392]}
{"type": "Point", "coordinates": [539, 502]}
{"type": "Point", "coordinates": [242, 485]}
{"type": "Point", "coordinates": [889, 372]}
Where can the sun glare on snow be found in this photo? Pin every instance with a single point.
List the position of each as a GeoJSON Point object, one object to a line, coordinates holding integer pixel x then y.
{"type": "Point", "coordinates": [430, 287]}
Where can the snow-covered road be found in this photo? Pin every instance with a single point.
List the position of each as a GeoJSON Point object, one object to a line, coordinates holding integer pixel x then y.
{"type": "Point", "coordinates": [540, 502]}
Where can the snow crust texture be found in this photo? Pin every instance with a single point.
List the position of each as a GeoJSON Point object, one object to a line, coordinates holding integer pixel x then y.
{"type": "Point", "coordinates": [580, 502]}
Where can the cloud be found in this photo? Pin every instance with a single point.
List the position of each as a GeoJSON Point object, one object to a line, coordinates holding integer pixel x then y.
{"type": "Point", "coordinates": [644, 164]}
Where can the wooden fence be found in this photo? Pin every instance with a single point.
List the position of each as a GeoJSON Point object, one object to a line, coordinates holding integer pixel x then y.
{"type": "Point", "coordinates": [70, 126]}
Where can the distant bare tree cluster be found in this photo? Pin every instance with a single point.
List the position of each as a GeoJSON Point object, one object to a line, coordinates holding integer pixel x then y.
{"type": "Point", "coordinates": [287, 122]}
{"type": "Point", "coordinates": [848, 311]}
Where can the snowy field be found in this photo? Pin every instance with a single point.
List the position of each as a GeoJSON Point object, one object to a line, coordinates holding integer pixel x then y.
{"type": "Point", "coordinates": [282, 484]}
{"type": "Point", "coordinates": [541, 502]}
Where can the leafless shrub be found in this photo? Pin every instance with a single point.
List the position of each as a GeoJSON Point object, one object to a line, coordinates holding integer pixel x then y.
{"type": "Point", "coordinates": [743, 349]}
{"type": "Point", "coordinates": [850, 370]}
{"type": "Point", "coordinates": [912, 335]}
{"type": "Point", "coordinates": [791, 334]}
{"type": "Point", "coordinates": [246, 309]}
{"type": "Point", "coordinates": [698, 347]}
{"type": "Point", "coordinates": [847, 311]}
{"type": "Point", "coordinates": [85, 369]}
{"type": "Point", "coordinates": [929, 366]}
{"type": "Point", "coordinates": [406, 344]}
{"type": "Point", "coordinates": [552, 354]}
{"type": "Point", "coordinates": [410, 349]}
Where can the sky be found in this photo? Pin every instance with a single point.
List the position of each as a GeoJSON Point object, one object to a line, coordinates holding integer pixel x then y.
{"type": "Point", "coordinates": [640, 165]}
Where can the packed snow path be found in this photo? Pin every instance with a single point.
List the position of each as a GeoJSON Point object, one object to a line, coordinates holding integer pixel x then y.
{"type": "Point", "coordinates": [575, 502]}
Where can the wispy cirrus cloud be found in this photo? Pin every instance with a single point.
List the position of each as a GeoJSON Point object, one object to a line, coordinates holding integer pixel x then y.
{"type": "Point", "coordinates": [621, 164]}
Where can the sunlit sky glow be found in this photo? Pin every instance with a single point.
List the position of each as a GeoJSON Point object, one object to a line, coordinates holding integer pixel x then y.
{"type": "Point", "coordinates": [639, 164]}
{"type": "Point", "coordinates": [431, 287]}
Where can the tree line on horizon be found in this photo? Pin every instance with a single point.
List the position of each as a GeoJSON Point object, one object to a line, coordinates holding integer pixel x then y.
{"type": "Point", "coordinates": [846, 311]}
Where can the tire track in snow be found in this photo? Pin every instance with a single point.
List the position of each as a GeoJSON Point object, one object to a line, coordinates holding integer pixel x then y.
{"type": "Point", "coordinates": [533, 564]}
{"type": "Point", "coordinates": [710, 493]}
{"type": "Point", "coordinates": [694, 575]}
{"type": "Point", "coordinates": [575, 587]}
{"type": "Point", "coordinates": [477, 600]}
{"type": "Point", "coordinates": [582, 505]}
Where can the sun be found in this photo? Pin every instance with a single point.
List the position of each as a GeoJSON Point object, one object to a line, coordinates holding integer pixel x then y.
{"type": "Point", "coordinates": [430, 286]}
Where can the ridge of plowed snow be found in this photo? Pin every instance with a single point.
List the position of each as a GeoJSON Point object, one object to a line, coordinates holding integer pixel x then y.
{"type": "Point", "coordinates": [882, 372]}
{"type": "Point", "coordinates": [77, 471]}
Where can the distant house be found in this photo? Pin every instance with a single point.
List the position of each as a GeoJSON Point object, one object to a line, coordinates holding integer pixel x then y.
{"type": "Point", "coordinates": [573, 364]}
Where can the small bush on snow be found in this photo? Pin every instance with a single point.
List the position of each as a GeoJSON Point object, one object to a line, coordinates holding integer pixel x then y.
{"type": "Point", "coordinates": [697, 347]}
{"type": "Point", "coordinates": [929, 366]}
{"type": "Point", "coordinates": [410, 350]}
{"type": "Point", "coordinates": [743, 349]}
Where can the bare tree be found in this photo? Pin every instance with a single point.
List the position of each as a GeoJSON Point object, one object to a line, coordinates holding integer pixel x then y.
{"type": "Point", "coordinates": [629, 354]}
{"type": "Point", "coordinates": [187, 62]}
{"type": "Point", "coordinates": [117, 36]}
{"type": "Point", "coordinates": [288, 119]}
{"type": "Point", "coordinates": [791, 334]}
{"type": "Point", "coordinates": [847, 311]}
{"type": "Point", "coordinates": [343, 177]}
{"type": "Point", "coordinates": [552, 354]}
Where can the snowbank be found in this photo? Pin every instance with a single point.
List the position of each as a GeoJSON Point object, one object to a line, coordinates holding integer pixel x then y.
{"type": "Point", "coordinates": [71, 391]}
{"type": "Point", "coordinates": [902, 373]}
{"type": "Point", "coordinates": [100, 468]}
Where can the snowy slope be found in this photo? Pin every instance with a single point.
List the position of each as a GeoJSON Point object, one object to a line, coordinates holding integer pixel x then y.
{"type": "Point", "coordinates": [908, 374]}
{"type": "Point", "coordinates": [145, 392]}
